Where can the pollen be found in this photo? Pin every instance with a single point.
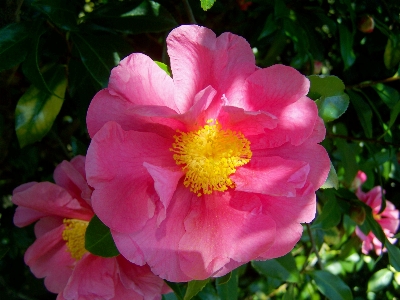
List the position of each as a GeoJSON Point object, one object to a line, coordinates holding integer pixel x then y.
{"type": "Point", "coordinates": [209, 156]}
{"type": "Point", "coordinates": [74, 236]}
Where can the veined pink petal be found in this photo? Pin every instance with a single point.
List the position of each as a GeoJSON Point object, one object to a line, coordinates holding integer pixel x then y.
{"type": "Point", "coordinates": [199, 59]}
{"type": "Point", "coordinates": [24, 216]}
{"type": "Point", "coordinates": [106, 107]}
{"type": "Point", "coordinates": [141, 81]}
{"type": "Point", "coordinates": [48, 199]}
{"type": "Point", "coordinates": [315, 155]}
{"type": "Point", "coordinates": [226, 233]}
{"type": "Point", "coordinates": [66, 175]}
{"type": "Point", "coordinates": [159, 243]}
{"type": "Point", "coordinates": [93, 277]}
{"type": "Point", "coordinates": [139, 279]}
{"type": "Point", "coordinates": [122, 185]}
{"type": "Point", "coordinates": [272, 176]}
{"type": "Point", "coordinates": [47, 251]}
{"type": "Point", "coordinates": [273, 88]}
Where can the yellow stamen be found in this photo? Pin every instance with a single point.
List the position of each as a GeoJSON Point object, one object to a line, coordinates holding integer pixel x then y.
{"type": "Point", "coordinates": [74, 235]}
{"type": "Point", "coordinates": [209, 156]}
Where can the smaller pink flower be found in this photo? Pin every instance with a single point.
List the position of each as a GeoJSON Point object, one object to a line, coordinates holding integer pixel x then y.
{"type": "Point", "coordinates": [388, 219]}
{"type": "Point", "coordinates": [63, 211]}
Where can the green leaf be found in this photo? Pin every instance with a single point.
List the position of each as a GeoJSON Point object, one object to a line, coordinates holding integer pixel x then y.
{"type": "Point", "coordinates": [389, 95]}
{"type": "Point", "coordinates": [269, 27]}
{"type": "Point", "coordinates": [370, 224]}
{"type": "Point", "coordinates": [132, 18]}
{"type": "Point", "coordinates": [36, 110]}
{"type": "Point", "coordinates": [332, 181]}
{"type": "Point", "coordinates": [224, 279]}
{"type": "Point", "coordinates": [194, 287]}
{"type": "Point", "coordinates": [177, 288]}
{"type": "Point", "coordinates": [394, 255]}
{"type": "Point", "coordinates": [331, 213]}
{"type": "Point", "coordinates": [380, 280]}
{"type": "Point", "coordinates": [346, 46]}
{"type": "Point", "coordinates": [163, 66]}
{"type": "Point", "coordinates": [363, 111]}
{"type": "Point", "coordinates": [98, 239]}
{"type": "Point", "coordinates": [348, 159]}
{"type": "Point", "coordinates": [391, 57]}
{"type": "Point", "coordinates": [59, 12]}
{"type": "Point", "coordinates": [328, 91]}
{"type": "Point", "coordinates": [331, 285]}
{"type": "Point", "coordinates": [228, 290]}
{"type": "Point", "coordinates": [13, 42]}
{"type": "Point", "coordinates": [207, 4]}
{"type": "Point", "coordinates": [97, 59]}
{"type": "Point", "coordinates": [282, 268]}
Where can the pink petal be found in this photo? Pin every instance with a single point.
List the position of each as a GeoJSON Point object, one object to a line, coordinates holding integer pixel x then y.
{"type": "Point", "coordinates": [273, 88]}
{"type": "Point", "coordinates": [24, 216]}
{"type": "Point", "coordinates": [159, 244]}
{"type": "Point", "coordinates": [313, 154]}
{"type": "Point", "coordinates": [165, 183]}
{"type": "Point", "coordinates": [47, 199]}
{"type": "Point", "coordinates": [93, 277]}
{"type": "Point", "coordinates": [73, 181]}
{"type": "Point", "coordinates": [288, 213]}
{"type": "Point", "coordinates": [139, 279]}
{"type": "Point", "coordinates": [319, 132]}
{"type": "Point", "coordinates": [199, 59]}
{"type": "Point", "coordinates": [123, 186]}
{"type": "Point", "coordinates": [217, 232]}
{"type": "Point", "coordinates": [106, 107]}
{"type": "Point", "coordinates": [48, 257]}
{"type": "Point", "coordinates": [272, 176]}
{"type": "Point", "coordinates": [141, 81]}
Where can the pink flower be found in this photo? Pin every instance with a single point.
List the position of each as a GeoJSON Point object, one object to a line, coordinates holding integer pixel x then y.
{"type": "Point", "coordinates": [202, 172]}
{"type": "Point", "coordinates": [58, 254]}
{"type": "Point", "coordinates": [388, 219]}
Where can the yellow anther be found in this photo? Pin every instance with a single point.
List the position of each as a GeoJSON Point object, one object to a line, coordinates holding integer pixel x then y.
{"type": "Point", "coordinates": [209, 156]}
{"type": "Point", "coordinates": [74, 236]}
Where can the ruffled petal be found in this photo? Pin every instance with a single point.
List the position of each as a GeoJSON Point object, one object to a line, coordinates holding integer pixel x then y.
{"type": "Point", "coordinates": [288, 213]}
{"type": "Point", "coordinates": [122, 185]}
{"type": "Point", "coordinates": [48, 257]}
{"type": "Point", "coordinates": [273, 88]}
{"type": "Point", "coordinates": [93, 277]}
{"type": "Point", "coordinates": [199, 59]}
{"type": "Point", "coordinates": [47, 199]}
{"type": "Point", "coordinates": [159, 243]}
{"type": "Point", "coordinates": [272, 176]}
{"type": "Point", "coordinates": [226, 233]}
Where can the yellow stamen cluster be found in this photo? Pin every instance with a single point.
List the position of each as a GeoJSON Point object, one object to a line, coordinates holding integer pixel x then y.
{"type": "Point", "coordinates": [74, 236]}
{"type": "Point", "coordinates": [209, 156]}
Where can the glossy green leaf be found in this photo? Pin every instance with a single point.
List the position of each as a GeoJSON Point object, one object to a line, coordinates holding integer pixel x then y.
{"type": "Point", "coordinates": [207, 4]}
{"type": "Point", "coordinates": [224, 279]}
{"type": "Point", "coordinates": [331, 285]}
{"type": "Point", "coordinates": [388, 94]}
{"type": "Point", "coordinates": [380, 280]}
{"type": "Point", "coordinates": [98, 239]}
{"type": "Point", "coordinates": [194, 287]}
{"type": "Point", "coordinates": [363, 111]}
{"type": "Point", "coordinates": [328, 91]}
{"type": "Point", "coordinates": [98, 60]}
{"type": "Point", "coordinates": [36, 110]}
{"type": "Point", "coordinates": [164, 67]}
{"type": "Point", "coordinates": [394, 255]}
{"type": "Point", "coordinates": [391, 57]}
{"type": "Point", "coordinates": [282, 268]}
{"type": "Point", "coordinates": [177, 288]}
{"type": "Point", "coordinates": [332, 181]}
{"type": "Point", "coordinates": [348, 159]}
{"type": "Point", "coordinates": [13, 44]}
{"type": "Point", "coordinates": [346, 46]}
{"type": "Point", "coordinates": [228, 290]}
{"type": "Point", "coordinates": [132, 18]}
{"type": "Point", "coordinates": [269, 27]}
{"type": "Point", "coordinates": [330, 215]}
{"type": "Point", "coordinates": [59, 12]}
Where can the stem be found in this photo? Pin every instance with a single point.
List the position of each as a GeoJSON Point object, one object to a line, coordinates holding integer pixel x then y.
{"type": "Point", "coordinates": [314, 246]}
{"type": "Point", "coordinates": [371, 83]}
{"type": "Point", "coordinates": [189, 12]}
{"type": "Point", "coordinates": [367, 140]}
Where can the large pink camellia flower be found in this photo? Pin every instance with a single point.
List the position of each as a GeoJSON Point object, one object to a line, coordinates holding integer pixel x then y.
{"type": "Point", "coordinates": [58, 254]}
{"type": "Point", "coordinates": [201, 172]}
{"type": "Point", "coordinates": [388, 219]}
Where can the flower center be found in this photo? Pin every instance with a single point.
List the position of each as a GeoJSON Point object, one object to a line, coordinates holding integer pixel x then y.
{"type": "Point", "coordinates": [74, 236]}
{"type": "Point", "coordinates": [209, 156]}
